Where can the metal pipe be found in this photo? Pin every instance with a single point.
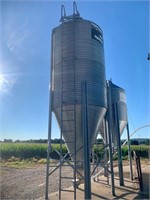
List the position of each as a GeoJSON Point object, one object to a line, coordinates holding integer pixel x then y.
{"type": "Point", "coordinates": [129, 152]}
{"type": "Point", "coordinates": [49, 128]}
{"type": "Point", "coordinates": [61, 114]}
{"type": "Point", "coordinates": [111, 160]}
{"type": "Point", "coordinates": [75, 10]}
{"type": "Point", "coordinates": [107, 147]}
{"type": "Point", "coordinates": [86, 140]}
{"type": "Point", "coordinates": [75, 134]}
{"type": "Point", "coordinates": [105, 150]}
{"type": "Point", "coordinates": [109, 128]}
{"type": "Point", "coordinates": [48, 154]}
{"type": "Point", "coordinates": [144, 126]}
{"type": "Point", "coordinates": [117, 129]}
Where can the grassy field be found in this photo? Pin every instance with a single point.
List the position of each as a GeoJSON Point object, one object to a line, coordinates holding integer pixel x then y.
{"type": "Point", "coordinates": [39, 151]}
{"type": "Point", "coordinates": [28, 150]}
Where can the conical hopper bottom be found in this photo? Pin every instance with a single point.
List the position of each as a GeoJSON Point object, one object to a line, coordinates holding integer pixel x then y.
{"type": "Point", "coordinates": [72, 129]}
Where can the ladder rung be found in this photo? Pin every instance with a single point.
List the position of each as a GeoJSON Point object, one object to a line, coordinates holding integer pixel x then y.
{"type": "Point", "coordinates": [71, 110]}
{"type": "Point", "coordinates": [70, 161]}
{"type": "Point", "coordinates": [67, 190]}
{"type": "Point", "coordinates": [68, 91]}
{"type": "Point", "coordinates": [53, 165]}
{"type": "Point", "coordinates": [68, 112]}
{"type": "Point", "coordinates": [66, 120]}
{"type": "Point", "coordinates": [71, 131]}
{"type": "Point", "coordinates": [65, 101]}
{"type": "Point", "coordinates": [64, 177]}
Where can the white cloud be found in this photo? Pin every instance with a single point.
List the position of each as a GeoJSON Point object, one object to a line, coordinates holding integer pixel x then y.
{"type": "Point", "coordinates": [4, 83]}
{"type": "Point", "coordinates": [17, 35]}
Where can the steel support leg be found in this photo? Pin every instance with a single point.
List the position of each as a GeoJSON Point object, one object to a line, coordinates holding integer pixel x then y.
{"type": "Point", "coordinates": [111, 159]}
{"type": "Point", "coordinates": [48, 152]}
{"type": "Point", "coordinates": [86, 139]}
{"type": "Point", "coordinates": [105, 153]}
{"type": "Point", "coordinates": [129, 152]}
{"type": "Point", "coordinates": [120, 167]}
{"type": "Point", "coordinates": [110, 133]}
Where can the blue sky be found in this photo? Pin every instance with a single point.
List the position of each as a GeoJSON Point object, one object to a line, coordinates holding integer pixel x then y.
{"type": "Point", "coordinates": [25, 40]}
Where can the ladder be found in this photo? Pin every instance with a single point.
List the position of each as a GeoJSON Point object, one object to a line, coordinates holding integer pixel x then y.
{"type": "Point", "coordinates": [68, 122]}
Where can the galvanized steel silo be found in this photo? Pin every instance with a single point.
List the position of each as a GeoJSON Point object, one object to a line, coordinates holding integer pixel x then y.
{"type": "Point", "coordinates": [78, 56]}
{"type": "Point", "coordinates": [119, 99]}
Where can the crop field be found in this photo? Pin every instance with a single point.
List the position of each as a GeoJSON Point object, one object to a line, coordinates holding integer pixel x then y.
{"type": "Point", "coordinates": [23, 169]}
{"type": "Point", "coordinates": [28, 150]}
{"type": "Point", "coordinates": [37, 150]}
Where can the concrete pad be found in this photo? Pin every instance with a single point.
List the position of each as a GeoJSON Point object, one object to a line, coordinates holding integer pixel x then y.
{"type": "Point", "coordinates": [101, 190]}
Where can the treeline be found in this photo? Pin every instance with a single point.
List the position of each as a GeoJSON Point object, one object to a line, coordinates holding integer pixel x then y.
{"type": "Point", "coordinates": [53, 141]}
{"type": "Point", "coordinates": [136, 141]}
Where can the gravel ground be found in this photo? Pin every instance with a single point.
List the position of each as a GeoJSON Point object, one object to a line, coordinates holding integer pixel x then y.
{"type": "Point", "coordinates": [29, 183]}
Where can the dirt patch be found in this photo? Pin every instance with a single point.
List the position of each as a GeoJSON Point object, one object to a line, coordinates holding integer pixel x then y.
{"type": "Point", "coordinates": [22, 183]}
{"type": "Point", "coordinates": [27, 183]}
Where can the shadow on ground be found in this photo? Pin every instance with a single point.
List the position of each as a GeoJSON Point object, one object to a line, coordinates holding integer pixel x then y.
{"type": "Point", "coordinates": [146, 187]}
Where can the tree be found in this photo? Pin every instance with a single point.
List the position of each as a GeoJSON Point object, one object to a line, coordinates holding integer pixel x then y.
{"type": "Point", "coordinates": [134, 142]}
{"type": "Point", "coordinates": [8, 140]}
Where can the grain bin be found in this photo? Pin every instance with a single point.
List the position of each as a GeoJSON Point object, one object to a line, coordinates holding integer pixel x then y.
{"type": "Point", "coordinates": [78, 56]}
{"type": "Point", "coordinates": [118, 99]}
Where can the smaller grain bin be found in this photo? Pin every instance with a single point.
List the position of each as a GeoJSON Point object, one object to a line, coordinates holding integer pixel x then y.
{"type": "Point", "coordinates": [116, 97]}
{"type": "Point", "coordinates": [119, 109]}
